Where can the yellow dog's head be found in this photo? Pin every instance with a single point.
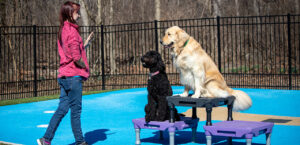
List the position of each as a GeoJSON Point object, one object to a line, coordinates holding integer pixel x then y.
{"type": "Point", "coordinates": [174, 37]}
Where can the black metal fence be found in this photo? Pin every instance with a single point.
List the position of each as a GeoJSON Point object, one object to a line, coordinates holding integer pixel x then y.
{"type": "Point", "coordinates": [251, 52]}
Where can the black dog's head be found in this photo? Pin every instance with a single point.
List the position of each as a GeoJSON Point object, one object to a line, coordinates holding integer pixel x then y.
{"type": "Point", "coordinates": [153, 61]}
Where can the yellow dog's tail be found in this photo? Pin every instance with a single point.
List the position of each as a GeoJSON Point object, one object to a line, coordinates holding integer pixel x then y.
{"type": "Point", "coordinates": [242, 100]}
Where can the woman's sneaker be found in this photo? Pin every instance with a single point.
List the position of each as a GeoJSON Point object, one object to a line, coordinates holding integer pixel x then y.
{"type": "Point", "coordinates": [42, 141]}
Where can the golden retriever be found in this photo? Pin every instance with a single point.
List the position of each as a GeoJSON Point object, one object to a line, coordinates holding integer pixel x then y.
{"type": "Point", "coordinates": [197, 70]}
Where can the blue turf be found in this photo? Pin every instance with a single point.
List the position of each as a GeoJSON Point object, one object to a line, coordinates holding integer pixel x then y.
{"type": "Point", "coordinates": [106, 119]}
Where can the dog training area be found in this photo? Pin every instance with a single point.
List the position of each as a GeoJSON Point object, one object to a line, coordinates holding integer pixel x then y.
{"type": "Point", "coordinates": [107, 119]}
{"type": "Point", "coordinates": [259, 55]}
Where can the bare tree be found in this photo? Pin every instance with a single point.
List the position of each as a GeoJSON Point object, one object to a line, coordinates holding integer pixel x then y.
{"type": "Point", "coordinates": [96, 12]}
{"type": "Point", "coordinates": [84, 13]}
{"type": "Point", "coordinates": [98, 17]}
{"type": "Point", "coordinates": [112, 51]}
{"type": "Point", "coordinates": [157, 10]}
{"type": "Point", "coordinates": [237, 7]}
{"type": "Point", "coordinates": [256, 7]}
{"type": "Point", "coordinates": [215, 4]}
{"type": "Point", "coordinates": [2, 12]}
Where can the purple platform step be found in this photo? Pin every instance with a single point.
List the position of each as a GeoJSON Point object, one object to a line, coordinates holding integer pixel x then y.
{"type": "Point", "coordinates": [239, 129]}
{"type": "Point", "coordinates": [185, 122]}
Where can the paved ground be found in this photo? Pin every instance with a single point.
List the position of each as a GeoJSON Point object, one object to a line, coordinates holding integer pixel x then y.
{"type": "Point", "coordinates": [106, 119]}
{"type": "Point", "coordinates": [220, 113]}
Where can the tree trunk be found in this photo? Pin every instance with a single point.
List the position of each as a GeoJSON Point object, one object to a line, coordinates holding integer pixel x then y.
{"type": "Point", "coordinates": [297, 6]}
{"type": "Point", "coordinates": [2, 12]}
{"type": "Point", "coordinates": [112, 52]}
{"type": "Point", "coordinates": [98, 18]}
{"type": "Point", "coordinates": [157, 10]}
{"type": "Point", "coordinates": [204, 7]}
{"type": "Point", "coordinates": [157, 17]}
{"type": "Point", "coordinates": [216, 8]}
{"type": "Point", "coordinates": [98, 22]}
{"type": "Point", "coordinates": [256, 7]}
{"type": "Point", "coordinates": [15, 69]}
{"type": "Point", "coordinates": [84, 13]}
{"type": "Point", "coordinates": [237, 7]}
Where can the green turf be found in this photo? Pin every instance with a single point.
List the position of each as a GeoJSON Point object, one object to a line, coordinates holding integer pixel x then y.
{"type": "Point", "coordinates": [42, 98]}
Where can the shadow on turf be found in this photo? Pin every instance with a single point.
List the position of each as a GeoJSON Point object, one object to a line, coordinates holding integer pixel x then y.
{"type": "Point", "coordinates": [94, 136]}
{"type": "Point", "coordinates": [184, 137]}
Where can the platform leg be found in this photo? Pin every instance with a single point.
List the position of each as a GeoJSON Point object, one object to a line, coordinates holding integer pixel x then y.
{"type": "Point", "coordinates": [172, 113]}
{"type": "Point", "coordinates": [208, 114]}
{"type": "Point", "coordinates": [248, 140]}
{"type": "Point", "coordinates": [194, 129]}
{"type": "Point", "coordinates": [161, 135]}
{"type": "Point", "coordinates": [194, 113]}
{"type": "Point", "coordinates": [229, 108]}
{"type": "Point", "coordinates": [172, 138]}
{"type": "Point", "coordinates": [137, 136]}
{"type": "Point", "coordinates": [208, 140]}
{"type": "Point", "coordinates": [229, 141]}
{"type": "Point", "coordinates": [268, 138]}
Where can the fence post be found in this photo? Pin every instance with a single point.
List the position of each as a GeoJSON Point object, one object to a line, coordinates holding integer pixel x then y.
{"type": "Point", "coordinates": [34, 60]}
{"type": "Point", "coordinates": [219, 43]}
{"type": "Point", "coordinates": [156, 35]}
{"type": "Point", "coordinates": [102, 57]}
{"type": "Point", "coordinates": [290, 51]}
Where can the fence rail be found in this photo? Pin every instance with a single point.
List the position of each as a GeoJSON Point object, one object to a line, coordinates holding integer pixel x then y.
{"type": "Point", "coordinates": [251, 52]}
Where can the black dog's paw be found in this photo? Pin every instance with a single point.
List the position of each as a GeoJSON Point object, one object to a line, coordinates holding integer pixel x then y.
{"type": "Point", "coordinates": [178, 117]}
{"type": "Point", "coordinates": [147, 119]}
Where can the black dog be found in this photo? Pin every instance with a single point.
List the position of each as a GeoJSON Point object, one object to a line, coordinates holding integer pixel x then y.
{"type": "Point", "coordinates": [158, 88]}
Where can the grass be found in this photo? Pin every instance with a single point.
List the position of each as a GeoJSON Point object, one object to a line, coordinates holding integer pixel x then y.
{"type": "Point", "coordinates": [43, 98]}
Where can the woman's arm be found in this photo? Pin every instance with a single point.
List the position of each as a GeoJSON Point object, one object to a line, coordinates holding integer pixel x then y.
{"type": "Point", "coordinates": [74, 45]}
{"type": "Point", "coordinates": [80, 63]}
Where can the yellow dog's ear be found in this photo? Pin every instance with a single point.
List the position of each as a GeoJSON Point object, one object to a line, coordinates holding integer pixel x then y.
{"type": "Point", "coordinates": [182, 37]}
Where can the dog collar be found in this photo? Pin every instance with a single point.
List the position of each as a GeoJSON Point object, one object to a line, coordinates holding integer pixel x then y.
{"type": "Point", "coordinates": [186, 42]}
{"type": "Point", "coordinates": [153, 74]}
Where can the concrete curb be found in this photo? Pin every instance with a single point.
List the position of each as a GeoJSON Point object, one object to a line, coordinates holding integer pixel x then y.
{"type": "Point", "coordinates": [8, 143]}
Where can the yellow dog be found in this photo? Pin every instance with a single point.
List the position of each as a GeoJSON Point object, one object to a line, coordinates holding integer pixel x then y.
{"type": "Point", "coordinates": [197, 70]}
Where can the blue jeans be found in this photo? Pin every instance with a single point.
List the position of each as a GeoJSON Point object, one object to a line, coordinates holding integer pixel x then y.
{"type": "Point", "coordinates": [70, 98]}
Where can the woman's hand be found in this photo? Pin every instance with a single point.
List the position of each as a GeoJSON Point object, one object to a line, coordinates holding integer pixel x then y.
{"type": "Point", "coordinates": [87, 41]}
{"type": "Point", "coordinates": [80, 63]}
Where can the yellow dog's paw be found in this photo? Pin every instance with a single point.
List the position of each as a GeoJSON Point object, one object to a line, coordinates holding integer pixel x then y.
{"type": "Point", "coordinates": [195, 96]}
{"type": "Point", "coordinates": [184, 95]}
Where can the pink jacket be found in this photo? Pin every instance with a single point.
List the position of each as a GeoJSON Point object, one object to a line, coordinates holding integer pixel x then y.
{"type": "Point", "coordinates": [71, 50]}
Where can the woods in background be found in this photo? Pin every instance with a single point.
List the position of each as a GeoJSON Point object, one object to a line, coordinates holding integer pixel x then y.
{"type": "Point", "coordinates": [97, 12]}
{"type": "Point", "coordinates": [259, 51]}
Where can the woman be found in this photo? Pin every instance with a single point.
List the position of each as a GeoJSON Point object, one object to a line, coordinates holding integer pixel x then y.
{"type": "Point", "coordinates": [73, 70]}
